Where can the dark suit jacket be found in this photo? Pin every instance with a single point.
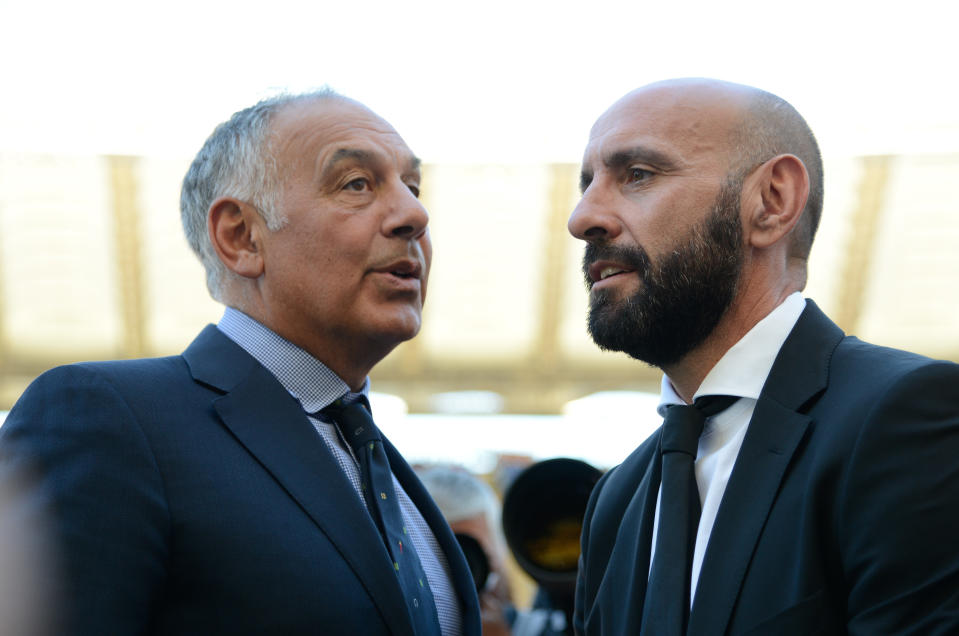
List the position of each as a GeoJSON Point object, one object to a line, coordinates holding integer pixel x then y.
{"type": "Point", "coordinates": [841, 514]}
{"type": "Point", "coordinates": [191, 495]}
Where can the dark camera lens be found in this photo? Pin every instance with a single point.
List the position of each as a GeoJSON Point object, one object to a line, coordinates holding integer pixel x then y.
{"type": "Point", "coordinates": [475, 558]}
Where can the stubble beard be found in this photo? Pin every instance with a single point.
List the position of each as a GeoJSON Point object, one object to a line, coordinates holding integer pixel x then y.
{"type": "Point", "coordinates": [681, 298]}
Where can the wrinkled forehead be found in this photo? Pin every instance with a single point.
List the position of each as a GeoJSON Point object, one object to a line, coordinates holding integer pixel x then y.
{"type": "Point", "coordinates": [687, 122]}
{"type": "Point", "coordinates": [308, 131]}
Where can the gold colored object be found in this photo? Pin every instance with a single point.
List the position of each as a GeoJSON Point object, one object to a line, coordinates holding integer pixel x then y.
{"type": "Point", "coordinates": [557, 548]}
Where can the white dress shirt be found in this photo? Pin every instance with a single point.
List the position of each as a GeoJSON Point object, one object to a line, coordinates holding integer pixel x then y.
{"type": "Point", "coordinates": [742, 371]}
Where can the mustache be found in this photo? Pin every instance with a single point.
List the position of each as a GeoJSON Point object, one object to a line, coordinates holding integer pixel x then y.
{"type": "Point", "coordinates": [634, 257]}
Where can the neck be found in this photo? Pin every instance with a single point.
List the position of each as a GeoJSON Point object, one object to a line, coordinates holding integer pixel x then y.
{"type": "Point", "coordinates": [351, 370]}
{"type": "Point", "coordinates": [342, 354]}
{"type": "Point", "coordinates": [351, 361]}
{"type": "Point", "coordinates": [688, 374]}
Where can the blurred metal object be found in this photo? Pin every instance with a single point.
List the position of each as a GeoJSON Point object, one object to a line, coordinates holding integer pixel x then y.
{"type": "Point", "coordinates": [542, 518]}
{"type": "Point", "coordinates": [475, 558]}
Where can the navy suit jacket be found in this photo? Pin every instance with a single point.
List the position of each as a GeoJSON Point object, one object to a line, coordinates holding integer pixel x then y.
{"type": "Point", "coordinates": [841, 515]}
{"type": "Point", "coordinates": [191, 495]}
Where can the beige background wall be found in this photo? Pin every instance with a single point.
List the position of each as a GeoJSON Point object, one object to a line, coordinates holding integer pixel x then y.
{"type": "Point", "coordinates": [93, 265]}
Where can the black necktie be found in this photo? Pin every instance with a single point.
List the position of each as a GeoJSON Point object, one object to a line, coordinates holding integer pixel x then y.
{"type": "Point", "coordinates": [376, 478]}
{"type": "Point", "coordinates": [666, 609]}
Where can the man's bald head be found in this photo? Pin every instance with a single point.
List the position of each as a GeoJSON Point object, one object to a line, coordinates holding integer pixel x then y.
{"type": "Point", "coordinates": [770, 127]}
{"type": "Point", "coordinates": [750, 125]}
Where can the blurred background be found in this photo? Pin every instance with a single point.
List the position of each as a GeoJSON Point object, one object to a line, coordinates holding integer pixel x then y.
{"type": "Point", "coordinates": [104, 103]}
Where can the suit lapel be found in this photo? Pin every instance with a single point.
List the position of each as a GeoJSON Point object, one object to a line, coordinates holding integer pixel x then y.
{"type": "Point", "coordinates": [628, 565]}
{"type": "Point", "coordinates": [798, 375]}
{"type": "Point", "coordinates": [463, 584]}
{"type": "Point", "coordinates": [772, 438]}
{"type": "Point", "coordinates": [272, 426]}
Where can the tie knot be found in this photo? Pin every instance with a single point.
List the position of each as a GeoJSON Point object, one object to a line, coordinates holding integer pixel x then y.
{"type": "Point", "coordinates": [684, 422]}
{"type": "Point", "coordinates": [710, 405]}
{"type": "Point", "coordinates": [681, 429]}
{"type": "Point", "coordinates": [355, 422]}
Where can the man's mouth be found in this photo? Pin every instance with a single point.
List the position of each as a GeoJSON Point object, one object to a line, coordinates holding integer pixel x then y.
{"type": "Point", "coordinates": [606, 272]}
{"type": "Point", "coordinates": [600, 271]}
{"type": "Point", "coordinates": [400, 273]}
{"type": "Point", "coordinates": [407, 269]}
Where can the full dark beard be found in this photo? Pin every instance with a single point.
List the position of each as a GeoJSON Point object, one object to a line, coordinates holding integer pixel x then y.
{"type": "Point", "coordinates": [681, 298]}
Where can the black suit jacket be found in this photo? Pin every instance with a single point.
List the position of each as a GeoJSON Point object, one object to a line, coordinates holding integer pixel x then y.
{"type": "Point", "coordinates": [841, 514]}
{"type": "Point", "coordinates": [191, 495]}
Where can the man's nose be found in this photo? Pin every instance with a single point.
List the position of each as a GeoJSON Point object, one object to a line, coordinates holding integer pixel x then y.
{"type": "Point", "coordinates": [408, 218]}
{"type": "Point", "coordinates": [593, 218]}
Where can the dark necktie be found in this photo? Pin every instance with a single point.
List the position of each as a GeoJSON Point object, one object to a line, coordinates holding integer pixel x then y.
{"type": "Point", "coordinates": [666, 609]}
{"type": "Point", "coordinates": [357, 427]}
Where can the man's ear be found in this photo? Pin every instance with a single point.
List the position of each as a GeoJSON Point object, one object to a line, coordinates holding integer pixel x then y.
{"type": "Point", "coordinates": [235, 228]}
{"type": "Point", "coordinates": [783, 186]}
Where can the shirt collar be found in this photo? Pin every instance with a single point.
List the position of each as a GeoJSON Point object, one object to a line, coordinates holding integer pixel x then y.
{"type": "Point", "coordinates": [307, 379]}
{"type": "Point", "coordinates": [744, 367]}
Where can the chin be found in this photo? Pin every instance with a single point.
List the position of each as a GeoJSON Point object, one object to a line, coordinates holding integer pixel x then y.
{"type": "Point", "coordinates": [388, 324]}
{"type": "Point", "coordinates": [401, 329]}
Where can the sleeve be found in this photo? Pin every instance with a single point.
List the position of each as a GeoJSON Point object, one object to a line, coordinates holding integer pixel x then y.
{"type": "Point", "coordinates": [899, 521]}
{"type": "Point", "coordinates": [585, 588]}
{"type": "Point", "coordinates": [579, 609]}
{"type": "Point", "coordinates": [97, 480]}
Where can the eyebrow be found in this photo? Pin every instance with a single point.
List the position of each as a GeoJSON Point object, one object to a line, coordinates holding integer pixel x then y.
{"type": "Point", "coordinates": [622, 159]}
{"type": "Point", "coordinates": [342, 154]}
{"type": "Point", "coordinates": [642, 154]}
{"type": "Point", "coordinates": [363, 156]}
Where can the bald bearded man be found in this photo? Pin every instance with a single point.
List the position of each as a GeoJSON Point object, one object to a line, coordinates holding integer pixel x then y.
{"type": "Point", "coordinates": [824, 499]}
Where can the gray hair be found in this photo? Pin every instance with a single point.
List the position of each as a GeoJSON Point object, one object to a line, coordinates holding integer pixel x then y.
{"type": "Point", "coordinates": [771, 126]}
{"type": "Point", "coordinates": [461, 495]}
{"type": "Point", "coordinates": [236, 161]}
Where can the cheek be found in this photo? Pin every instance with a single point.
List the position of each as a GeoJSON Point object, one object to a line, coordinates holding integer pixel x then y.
{"type": "Point", "coordinates": [675, 217]}
{"type": "Point", "coordinates": [427, 247]}
{"type": "Point", "coordinates": [426, 244]}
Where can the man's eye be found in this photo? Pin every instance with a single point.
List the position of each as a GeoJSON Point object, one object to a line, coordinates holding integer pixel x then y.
{"type": "Point", "coordinates": [415, 189]}
{"type": "Point", "coordinates": [638, 174]}
{"type": "Point", "coordinates": [358, 185]}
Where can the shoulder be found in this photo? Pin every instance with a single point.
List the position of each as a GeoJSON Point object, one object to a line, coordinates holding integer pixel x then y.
{"type": "Point", "coordinates": [898, 488]}
{"type": "Point", "coordinates": [900, 391]}
{"type": "Point", "coordinates": [885, 414]}
{"type": "Point", "coordinates": [884, 360]}
{"type": "Point", "coordinates": [627, 475]}
{"type": "Point", "coordinates": [819, 365]}
{"type": "Point", "coordinates": [885, 375]}
{"type": "Point", "coordinates": [116, 372]}
{"type": "Point", "coordinates": [108, 380]}
{"type": "Point", "coordinates": [82, 432]}
{"type": "Point", "coordinates": [94, 402]}
{"type": "Point", "coordinates": [617, 488]}
{"type": "Point", "coordinates": [875, 399]}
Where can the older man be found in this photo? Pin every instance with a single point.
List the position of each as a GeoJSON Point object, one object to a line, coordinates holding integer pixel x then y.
{"type": "Point", "coordinates": [222, 491]}
{"type": "Point", "coordinates": [803, 482]}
